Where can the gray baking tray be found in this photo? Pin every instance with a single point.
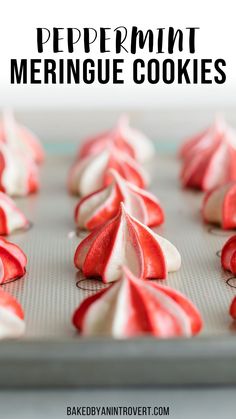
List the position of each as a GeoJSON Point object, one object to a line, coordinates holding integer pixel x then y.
{"type": "Point", "coordinates": [53, 354]}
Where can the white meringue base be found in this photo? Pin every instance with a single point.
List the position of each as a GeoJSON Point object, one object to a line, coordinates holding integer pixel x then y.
{"type": "Point", "coordinates": [11, 326]}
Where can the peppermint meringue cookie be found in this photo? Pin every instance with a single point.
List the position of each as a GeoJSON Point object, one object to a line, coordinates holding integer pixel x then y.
{"type": "Point", "coordinates": [210, 136]}
{"type": "Point", "coordinates": [92, 173]}
{"type": "Point", "coordinates": [232, 309]}
{"type": "Point", "coordinates": [11, 218]}
{"type": "Point", "coordinates": [211, 167]}
{"type": "Point", "coordinates": [125, 241]}
{"type": "Point", "coordinates": [132, 307]}
{"type": "Point", "coordinates": [100, 142]}
{"type": "Point", "coordinates": [228, 255]}
{"type": "Point", "coordinates": [20, 138]}
{"type": "Point", "coordinates": [102, 205]}
{"type": "Point", "coordinates": [12, 323]}
{"type": "Point", "coordinates": [12, 261]}
{"type": "Point", "coordinates": [125, 138]}
{"type": "Point", "coordinates": [219, 206]}
{"type": "Point", "coordinates": [18, 173]}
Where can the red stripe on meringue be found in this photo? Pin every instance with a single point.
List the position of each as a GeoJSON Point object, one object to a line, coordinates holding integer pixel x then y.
{"type": "Point", "coordinates": [10, 303]}
{"type": "Point", "coordinates": [155, 266]}
{"type": "Point", "coordinates": [217, 167]}
{"type": "Point", "coordinates": [13, 261]}
{"type": "Point", "coordinates": [102, 205]}
{"type": "Point", "coordinates": [78, 316]}
{"type": "Point", "coordinates": [168, 321]}
{"type": "Point", "coordinates": [82, 178]}
{"type": "Point", "coordinates": [102, 141]}
{"type": "Point", "coordinates": [132, 307]}
{"type": "Point", "coordinates": [186, 305]}
{"type": "Point", "coordinates": [228, 255]}
{"type": "Point", "coordinates": [2, 167]}
{"type": "Point", "coordinates": [23, 178]}
{"type": "Point", "coordinates": [96, 247]}
{"type": "Point", "coordinates": [229, 208]}
{"type": "Point", "coordinates": [211, 164]}
{"type": "Point", "coordinates": [20, 138]}
{"type": "Point", "coordinates": [191, 143]}
{"type": "Point", "coordinates": [104, 212]}
{"type": "Point", "coordinates": [194, 170]}
{"type": "Point", "coordinates": [204, 139]}
{"type": "Point", "coordinates": [155, 213]}
{"type": "Point", "coordinates": [125, 241]}
{"type": "Point", "coordinates": [3, 222]}
{"type": "Point", "coordinates": [127, 168]}
{"type": "Point", "coordinates": [11, 218]}
{"type": "Point", "coordinates": [137, 320]}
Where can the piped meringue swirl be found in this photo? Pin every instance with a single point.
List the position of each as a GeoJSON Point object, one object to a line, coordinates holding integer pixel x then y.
{"type": "Point", "coordinates": [11, 218]}
{"type": "Point", "coordinates": [219, 206]}
{"type": "Point", "coordinates": [209, 158]}
{"type": "Point", "coordinates": [18, 173]}
{"type": "Point", "coordinates": [125, 241]}
{"type": "Point", "coordinates": [12, 323]}
{"type": "Point", "coordinates": [132, 307]}
{"type": "Point", "coordinates": [210, 136]}
{"type": "Point", "coordinates": [102, 205]}
{"type": "Point", "coordinates": [92, 173]}
{"type": "Point", "coordinates": [20, 138]}
{"type": "Point", "coordinates": [228, 255]}
{"type": "Point", "coordinates": [125, 138]}
{"type": "Point", "coordinates": [12, 261]}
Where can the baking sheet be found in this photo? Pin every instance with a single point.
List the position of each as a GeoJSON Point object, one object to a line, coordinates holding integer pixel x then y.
{"type": "Point", "coordinates": [49, 295]}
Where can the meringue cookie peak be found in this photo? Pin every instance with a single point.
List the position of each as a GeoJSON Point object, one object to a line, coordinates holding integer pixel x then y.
{"type": "Point", "coordinates": [91, 173]}
{"type": "Point", "coordinates": [12, 261]}
{"type": "Point", "coordinates": [132, 307]}
{"type": "Point", "coordinates": [11, 218]}
{"type": "Point", "coordinates": [95, 145]}
{"type": "Point", "coordinates": [219, 206]}
{"type": "Point", "coordinates": [20, 138]}
{"type": "Point", "coordinates": [144, 148]}
{"type": "Point", "coordinates": [228, 255]}
{"type": "Point", "coordinates": [18, 173]}
{"type": "Point", "coordinates": [104, 204]}
{"type": "Point", "coordinates": [200, 142]}
{"type": "Point", "coordinates": [211, 167]}
{"type": "Point", "coordinates": [125, 138]}
{"type": "Point", "coordinates": [125, 241]}
{"type": "Point", "coordinates": [12, 323]}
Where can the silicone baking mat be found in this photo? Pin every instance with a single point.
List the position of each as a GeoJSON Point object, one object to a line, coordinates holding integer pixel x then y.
{"type": "Point", "coordinates": [53, 354]}
{"type": "Point", "coordinates": [52, 287]}
{"type": "Point", "coordinates": [49, 292]}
